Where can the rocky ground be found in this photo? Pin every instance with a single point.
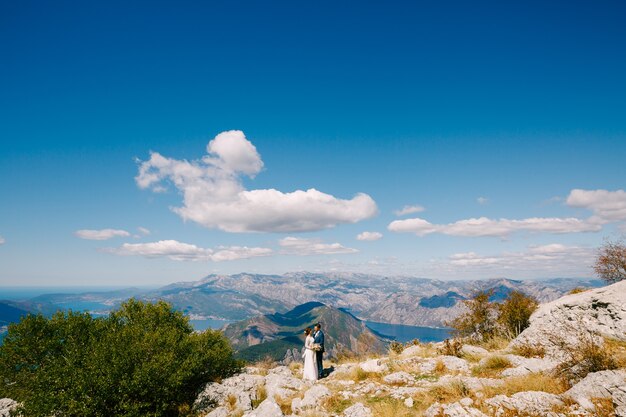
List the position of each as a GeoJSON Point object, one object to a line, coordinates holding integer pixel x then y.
{"type": "Point", "coordinates": [570, 362]}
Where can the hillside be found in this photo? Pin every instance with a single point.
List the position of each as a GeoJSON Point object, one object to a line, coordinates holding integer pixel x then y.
{"type": "Point", "coordinates": [566, 379]}
{"type": "Point", "coordinates": [9, 313]}
{"type": "Point", "coordinates": [278, 335]}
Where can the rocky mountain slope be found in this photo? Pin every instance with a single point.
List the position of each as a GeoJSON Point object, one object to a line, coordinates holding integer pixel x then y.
{"type": "Point", "coordinates": [399, 300]}
{"type": "Point", "coordinates": [279, 335]}
{"type": "Point", "coordinates": [524, 378]}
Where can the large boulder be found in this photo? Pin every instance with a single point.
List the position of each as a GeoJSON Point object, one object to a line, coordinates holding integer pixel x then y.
{"type": "Point", "coordinates": [600, 312]}
{"type": "Point", "coordinates": [281, 382]}
{"type": "Point", "coordinates": [311, 400]}
{"type": "Point", "coordinates": [268, 408]}
{"type": "Point", "coordinates": [357, 410]}
{"type": "Point", "coordinates": [527, 402]}
{"type": "Point", "coordinates": [603, 384]}
{"type": "Point", "coordinates": [374, 365]}
{"type": "Point", "coordinates": [242, 387]}
{"type": "Point", "coordinates": [6, 406]}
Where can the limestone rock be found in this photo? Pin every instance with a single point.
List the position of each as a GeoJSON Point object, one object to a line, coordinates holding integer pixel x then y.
{"type": "Point", "coordinates": [357, 410]}
{"type": "Point", "coordinates": [6, 406]}
{"type": "Point", "coordinates": [311, 398]}
{"type": "Point", "coordinates": [601, 311]}
{"type": "Point", "coordinates": [374, 365]}
{"type": "Point", "coordinates": [280, 382]}
{"type": "Point", "coordinates": [527, 402]}
{"type": "Point", "coordinates": [452, 410]}
{"type": "Point", "coordinates": [452, 363]}
{"type": "Point", "coordinates": [474, 350]}
{"type": "Point", "coordinates": [243, 387]}
{"type": "Point", "coordinates": [399, 378]}
{"type": "Point", "coordinates": [218, 412]}
{"type": "Point", "coordinates": [603, 384]}
{"type": "Point", "coordinates": [524, 366]}
{"type": "Point", "coordinates": [268, 408]}
{"type": "Point", "coordinates": [408, 402]}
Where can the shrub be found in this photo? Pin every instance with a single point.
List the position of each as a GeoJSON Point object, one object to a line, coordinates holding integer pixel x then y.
{"type": "Point", "coordinates": [529, 351]}
{"type": "Point", "coordinates": [515, 311]}
{"type": "Point", "coordinates": [577, 290]}
{"type": "Point", "coordinates": [143, 359]}
{"type": "Point", "coordinates": [451, 348]}
{"type": "Point", "coordinates": [396, 347]}
{"type": "Point", "coordinates": [492, 366]}
{"type": "Point", "coordinates": [478, 322]}
{"type": "Point", "coordinates": [610, 263]}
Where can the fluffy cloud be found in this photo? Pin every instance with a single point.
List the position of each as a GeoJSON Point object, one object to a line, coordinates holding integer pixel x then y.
{"type": "Point", "coordinates": [484, 226]}
{"type": "Point", "coordinates": [214, 196]}
{"type": "Point", "coordinates": [2, 241]}
{"type": "Point", "coordinates": [369, 236]}
{"type": "Point", "coordinates": [103, 234]}
{"type": "Point", "coordinates": [300, 246]}
{"type": "Point", "coordinates": [607, 206]}
{"type": "Point", "coordinates": [409, 210]}
{"type": "Point", "coordinates": [179, 251]}
{"type": "Point", "coordinates": [545, 258]}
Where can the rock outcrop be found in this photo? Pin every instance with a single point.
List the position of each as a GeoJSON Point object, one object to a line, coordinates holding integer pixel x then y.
{"type": "Point", "coordinates": [592, 313]}
{"type": "Point", "coordinates": [6, 406]}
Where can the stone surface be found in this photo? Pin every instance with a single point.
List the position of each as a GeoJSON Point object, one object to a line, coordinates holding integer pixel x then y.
{"type": "Point", "coordinates": [399, 378]}
{"type": "Point", "coordinates": [452, 410]}
{"type": "Point", "coordinates": [474, 350]}
{"type": "Point", "coordinates": [268, 408]}
{"type": "Point", "coordinates": [280, 382]}
{"type": "Point", "coordinates": [408, 402]}
{"type": "Point", "coordinates": [527, 402]}
{"type": "Point", "coordinates": [603, 384]}
{"type": "Point", "coordinates": [601, 311]}
{"type": "Point", "coordinates": [218, 412]}
{"type": "Point", "coordinates": [243, 387]}
{"type": "Point", "coordinates": [357, 410]}
{"type": "Point", "coordinates": [452, 363]}
{"type": "Point", "coordinates": [312, 398]}
{"type": "Point", "coordinates": [524, 366]}
{"type": "Point", "coordinates": [6, 406]}
{"type": "Point", "coordinates": [374, 365]}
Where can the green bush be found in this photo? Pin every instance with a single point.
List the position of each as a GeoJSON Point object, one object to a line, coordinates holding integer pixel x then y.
{"type": "Point", "coordinates": [479, 319]}
{"type": "Point", "coordinates": [142, 360]}
{"type": "Point", "coordinates": [515, 311]}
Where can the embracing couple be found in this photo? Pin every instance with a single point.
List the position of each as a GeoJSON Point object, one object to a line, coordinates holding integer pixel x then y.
{"type": "Point", "coordinates": [313, 353]}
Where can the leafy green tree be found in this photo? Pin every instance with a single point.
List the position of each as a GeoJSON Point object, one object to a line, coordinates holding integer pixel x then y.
{"type": "Point", "coordinates": [479, 319]}
{"type": "Point", "coordinates": [515, 311]}
{"type": "Point", "coordinates": [142, 360]}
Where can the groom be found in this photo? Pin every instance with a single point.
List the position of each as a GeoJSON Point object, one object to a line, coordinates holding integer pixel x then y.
{"type": "Point", "coordinates": [318, 338]}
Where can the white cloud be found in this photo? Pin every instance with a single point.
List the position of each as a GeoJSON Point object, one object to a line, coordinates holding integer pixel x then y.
{"type": "Point", "coordinates": [409, 210]}
{"type": "Point", "coordinates": [607, 206]}
{"type": "Point", "coordinates": [214, 196]}
{"type": "Point", "coordinates": [103, 234]}
{"type": "Point", "coordinates": [482, 200]}
{"type": "Point", "coordinates": [179, 251]}
{"type": "Point", "coordinates": [300, 246]}
{"type": "Point", "coordinates": [2, 241]}
{"type": "Point", "coordinates": [484, 226]}
{"type": "Point", "coordinates": [549, 259]}
{"type": "Point", "coordinates": [143, 231]}
{"type": "Point", "coordinates": [369, 236]}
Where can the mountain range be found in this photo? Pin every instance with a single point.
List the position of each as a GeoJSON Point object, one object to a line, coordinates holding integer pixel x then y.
{"type": "Point", "coordinates": [398, 300]}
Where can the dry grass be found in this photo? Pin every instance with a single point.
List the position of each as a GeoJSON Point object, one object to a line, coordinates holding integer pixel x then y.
{"type": "Point", "coordinates": [529, 351]}
{"type": "Point", "coordinates": [578, 290]}
{"type": "Point", "coordinates": [357, 374]}
{"type": "Point", "coordinates": [231, 402]}
{"type": "Point", "coordinates": [295, 367]}
{"type": "Point", "coordinates": [494, 343]}
{"type": "Point", "coordinates": [261, 395]}
{"type": "Point", "coordinates": [285, 403]}
{"type": "Point", "coordinates": [617, 350]}
{"type": "Point", "coordinates": [336, 404]}
{"type": "Point", "coordinates": [388, 407]}
{"type": "Point", "coordinates": [492, 366]}
{"type": "Point", "coordinates": [591, 354]}
{"type": "Point", "coordinates": [530, 382]}
{"type": "Point", "coordinates": [451, 347]}
{"type": "Point", "coordinates": [439, 393]}
{"type": "Point", "coordinates": [440, 368]}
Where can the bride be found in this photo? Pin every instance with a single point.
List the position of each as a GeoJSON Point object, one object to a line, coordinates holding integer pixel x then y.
{"type": "Point", "coordinates": [310, 368]}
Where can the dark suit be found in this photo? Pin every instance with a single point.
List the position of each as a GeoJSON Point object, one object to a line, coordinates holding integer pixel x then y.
{"type": "Point", "coordinates": [319, 355]}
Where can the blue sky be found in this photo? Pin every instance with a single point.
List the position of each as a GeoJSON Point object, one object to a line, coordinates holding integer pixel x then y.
{"type": "Point", "coordinates": [484, 111]}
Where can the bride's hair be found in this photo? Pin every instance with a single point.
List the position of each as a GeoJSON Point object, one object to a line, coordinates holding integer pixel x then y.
{"type": "Point", "coordinates": [307, 331]}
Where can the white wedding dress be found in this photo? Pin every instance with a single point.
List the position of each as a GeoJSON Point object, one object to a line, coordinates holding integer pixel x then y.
{"type": "Point", "coordinates": [309, 372]}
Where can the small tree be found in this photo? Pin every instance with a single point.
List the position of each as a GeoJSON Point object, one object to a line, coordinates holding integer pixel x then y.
{"type": "Point", "coordinates": [515, 312]}
{"type": "Point", "coordinates": [479, 319]}
{"type": "Point", "coordinates": [611, 262]}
